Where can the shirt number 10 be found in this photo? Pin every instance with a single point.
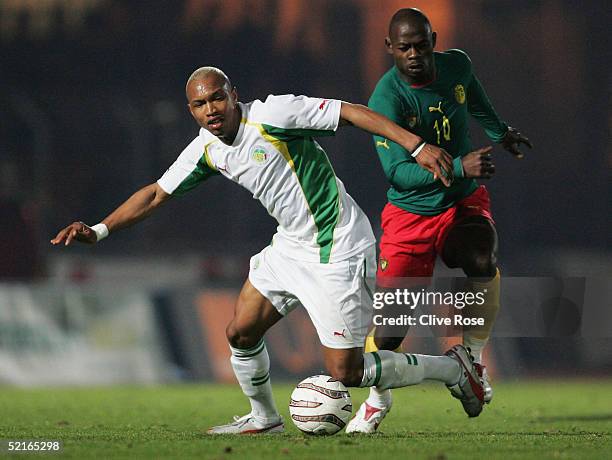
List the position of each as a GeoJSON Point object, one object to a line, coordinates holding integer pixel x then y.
{"type": "Point", "coordinates": [446, 129]}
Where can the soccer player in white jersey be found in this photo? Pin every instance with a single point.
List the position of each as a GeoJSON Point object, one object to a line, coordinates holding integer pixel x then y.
{"type": "Point", "coordinates": [322, 256]}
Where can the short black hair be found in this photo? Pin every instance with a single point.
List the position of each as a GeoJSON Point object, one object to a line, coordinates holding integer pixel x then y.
{"type": "Point", "coordinates": [412, 15]}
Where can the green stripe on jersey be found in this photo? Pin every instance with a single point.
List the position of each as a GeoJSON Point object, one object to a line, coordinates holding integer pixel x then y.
{"type": "Point", "coordinates": [316, 177]}
{"type": "Point", "coordinates": [202, 171]}
{"type": "Point", "coordinates": [283, 133]}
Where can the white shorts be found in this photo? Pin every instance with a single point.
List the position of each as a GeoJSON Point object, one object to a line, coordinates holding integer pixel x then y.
{"type": "Point", "coordinates": [337, 296]}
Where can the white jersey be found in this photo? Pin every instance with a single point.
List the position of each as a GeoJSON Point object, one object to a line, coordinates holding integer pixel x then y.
{"type": "Point", "coordinates": [275, 157]}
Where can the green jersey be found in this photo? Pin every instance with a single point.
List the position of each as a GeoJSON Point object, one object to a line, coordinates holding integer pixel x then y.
{"type": "Point", "coordinates": [437, 112]}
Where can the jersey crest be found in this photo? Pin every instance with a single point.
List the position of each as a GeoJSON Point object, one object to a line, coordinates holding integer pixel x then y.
{"type": "Point", "coordinates": [384, 263]}
{"type": "Point", "coordinates": [460, 94]}
{"type": "Point", "coordinates": [259, 155]}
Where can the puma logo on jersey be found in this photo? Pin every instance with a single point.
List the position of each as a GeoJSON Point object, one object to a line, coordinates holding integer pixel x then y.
{"type": "Point", "coordinates": [437, 109]}
{"type": "Point", "coordinates": [325, 101]}
{"type": "Point", "coordinates": [383, 144]}
{"type": "Point", "coordinates": [341, 334]}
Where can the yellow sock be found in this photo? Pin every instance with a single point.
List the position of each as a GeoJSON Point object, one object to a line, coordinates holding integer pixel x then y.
{"type": "Point", "coordinates": [476, 337]}
{"type": "Point", "coordinates": [370, 345]}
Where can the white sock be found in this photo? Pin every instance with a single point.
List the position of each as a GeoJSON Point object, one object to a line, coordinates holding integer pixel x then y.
{"type": "Point", "coordinates": [379, 398]}
{"type": "Point", "coordinates": [441, 368]}
{"type": "Point", "coordinates": [252, 369]}
{"type": "Point", "coordinates": [387, 369]}
{"type": "Point", "coordinates": [476, 346]}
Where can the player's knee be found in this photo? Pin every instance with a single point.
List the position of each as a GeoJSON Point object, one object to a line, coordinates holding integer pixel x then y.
{"type": "Point", "coordinates": [350, 377]}
{"type": "Point", "coordinates": [233, 335]}
{"type": "Point", "coordinates": [481, 264]}
{"type": "Point", "coordinates": [240, 338]}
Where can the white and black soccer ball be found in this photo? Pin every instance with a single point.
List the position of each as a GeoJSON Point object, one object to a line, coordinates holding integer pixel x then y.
{"type": "Point", "coordinates": [320, 405]}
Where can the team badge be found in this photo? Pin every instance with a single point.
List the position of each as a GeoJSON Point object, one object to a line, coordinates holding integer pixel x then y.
{"type": "Point", "coordinates": [384, 263]}
{"type": "Point", "coordinates": [260, 155]}
{"type": "Point", "coordinates": [412, 121]}
{"type": "Point", "coordinates": [460, 94]}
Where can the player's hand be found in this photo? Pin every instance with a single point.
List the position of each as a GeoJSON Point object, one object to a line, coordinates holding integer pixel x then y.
{"type": "Point", "coordinates": [438, 162]}
{"type": "Point", "coordinates": [478, 164]}
{"type": "Point", "coordinates": [76, 231]}
{"type": "Point", "coordinates": [513, 140]}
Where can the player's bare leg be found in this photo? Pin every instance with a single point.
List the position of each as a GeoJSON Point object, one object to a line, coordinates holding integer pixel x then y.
{"type": "Point", "coordinates": [472, 246]}
{"type": "Point", "coordinates": [253, 316]}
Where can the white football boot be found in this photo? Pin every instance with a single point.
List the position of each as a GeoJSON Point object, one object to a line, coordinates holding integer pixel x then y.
{"type": "Point", "coordinates": [247, 424]}
{"type": "Point", "coordinates": [367, 418]}
{"type": "Point", "coordinates": [469, 389]}
{"type": "Point", "coordinates": [486, 385]}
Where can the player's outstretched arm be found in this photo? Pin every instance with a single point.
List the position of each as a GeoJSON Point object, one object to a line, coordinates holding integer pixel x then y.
{"type": "Point", "coordinates": [429, 157]}
{"type": "Point", "coordinates": [481, 108]}
{"type": "Point", "coordinates": [140, 205]}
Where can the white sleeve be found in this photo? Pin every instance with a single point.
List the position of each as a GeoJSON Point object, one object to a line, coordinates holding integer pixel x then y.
{"type": "Point", "coordinates": [185, 171]}
{"type": "Point", "coordinates": [299, 112]}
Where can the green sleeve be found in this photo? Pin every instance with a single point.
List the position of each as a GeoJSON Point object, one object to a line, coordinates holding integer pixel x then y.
{"type": "Point", "coordinates": [401, 170]}
{"type": "Point", "coordinates": [480, 108]}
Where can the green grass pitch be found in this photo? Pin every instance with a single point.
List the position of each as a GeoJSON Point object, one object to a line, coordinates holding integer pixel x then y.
{"type": "Point", "coordinates": [527, 419]}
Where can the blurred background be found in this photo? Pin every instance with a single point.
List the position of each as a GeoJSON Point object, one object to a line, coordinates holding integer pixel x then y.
{"type": "Point", "coordinates": [92, 108]}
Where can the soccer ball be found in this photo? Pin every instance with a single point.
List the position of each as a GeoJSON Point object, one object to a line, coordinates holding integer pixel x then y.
{"type": "Point", "coordinates": [320, 405]}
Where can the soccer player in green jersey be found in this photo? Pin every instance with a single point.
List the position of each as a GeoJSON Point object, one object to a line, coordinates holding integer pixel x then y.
{"type": "Point", "coordinates": [323, 255]}
{"type": "Point", "coordinates": [431, 94]}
